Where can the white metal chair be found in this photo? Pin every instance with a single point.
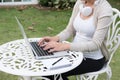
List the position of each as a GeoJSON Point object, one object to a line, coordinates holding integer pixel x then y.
{"type": "Point", "coordinates": [113, 42]}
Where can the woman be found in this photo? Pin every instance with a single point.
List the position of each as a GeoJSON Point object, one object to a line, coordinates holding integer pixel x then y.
{"type": "Point", "coordinates": [88, 24]}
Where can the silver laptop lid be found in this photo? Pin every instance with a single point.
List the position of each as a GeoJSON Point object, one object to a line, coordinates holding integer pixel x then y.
{"type": "Point", "coordinates": [25, 37]}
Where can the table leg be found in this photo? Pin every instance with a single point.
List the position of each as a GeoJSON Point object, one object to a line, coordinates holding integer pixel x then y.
{"type": "Point", "coordinates": [40, 78]}
{"type": "Point", "coordinates": [56, 77]}
{"type": "Point", "coordinates": [25, 78]}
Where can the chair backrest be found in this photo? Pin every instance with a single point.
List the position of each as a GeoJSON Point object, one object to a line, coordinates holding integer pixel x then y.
{"type": "Point", "coordinates": [113, 39]}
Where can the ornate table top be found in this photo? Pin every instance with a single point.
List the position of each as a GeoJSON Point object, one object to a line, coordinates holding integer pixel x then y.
{"type": "Point", "coordinates": [15, 58]}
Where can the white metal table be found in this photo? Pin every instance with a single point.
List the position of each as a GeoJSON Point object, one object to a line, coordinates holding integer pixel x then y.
{"type": "Point", "coordinates": [16, 59]}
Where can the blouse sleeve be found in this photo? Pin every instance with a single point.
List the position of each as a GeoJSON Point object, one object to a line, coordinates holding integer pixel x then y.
{"type": "Point", "coordinates": [69, 30]}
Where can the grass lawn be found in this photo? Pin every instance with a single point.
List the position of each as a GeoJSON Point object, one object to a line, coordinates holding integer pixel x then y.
{"type": "Point", "coordinates": [43, 22]}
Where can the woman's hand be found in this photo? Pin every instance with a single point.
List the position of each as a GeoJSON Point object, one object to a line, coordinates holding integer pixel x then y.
{"type": "Point", "coordinates": [56, 46]}
{"type": "Point", "coordinates": [47, 39]}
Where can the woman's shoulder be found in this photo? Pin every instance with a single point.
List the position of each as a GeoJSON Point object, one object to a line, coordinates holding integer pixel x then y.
{"type": "Point", "coordinates": [106, 5]}
{"type": "Point", "coordinates": [105, 9]}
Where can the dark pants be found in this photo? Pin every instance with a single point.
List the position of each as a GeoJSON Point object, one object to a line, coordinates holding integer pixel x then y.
{"type": "Point", "coordinates": [87, 65]}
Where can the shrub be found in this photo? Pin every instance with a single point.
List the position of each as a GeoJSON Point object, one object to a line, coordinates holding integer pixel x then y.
{"type": "Point", "coordinates": [58, 4]}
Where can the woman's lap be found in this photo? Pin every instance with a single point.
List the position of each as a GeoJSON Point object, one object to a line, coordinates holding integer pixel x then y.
{"type": "Point", "coordinates": [87, 65]}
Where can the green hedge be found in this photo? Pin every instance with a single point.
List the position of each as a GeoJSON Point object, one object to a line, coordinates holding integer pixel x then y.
{"type": "Point", "coordinates": [58, 4]}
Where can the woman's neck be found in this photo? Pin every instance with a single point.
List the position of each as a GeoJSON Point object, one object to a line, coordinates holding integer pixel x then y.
{"type": "Point", "coordinates": [89, 2]}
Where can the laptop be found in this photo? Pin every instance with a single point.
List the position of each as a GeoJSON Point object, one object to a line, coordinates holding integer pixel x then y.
{"type": "Point", "coordinates": [38, 51]}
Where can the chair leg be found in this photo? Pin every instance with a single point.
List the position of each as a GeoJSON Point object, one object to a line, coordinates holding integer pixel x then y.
{"type": "Point", "coordinates": [109, 73]}
{"type": "Point", "coordinates": [88, 77]}
{"type": "Point", "coordinates": [58, 77]}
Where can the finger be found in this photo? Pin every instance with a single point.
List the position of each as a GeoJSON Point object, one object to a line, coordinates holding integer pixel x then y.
{"type": "Point", "coordinates": [47, 47]}
{"type": "Point", "coordinates": [44, 44]}
{"type": "Point", "coordinates": [52, 50]}
{"type": "Point", "coordinates": [41, 42]}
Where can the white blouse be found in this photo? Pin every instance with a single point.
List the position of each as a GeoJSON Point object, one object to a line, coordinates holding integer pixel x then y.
{"type": "Point", "coordinates": [84, 32]}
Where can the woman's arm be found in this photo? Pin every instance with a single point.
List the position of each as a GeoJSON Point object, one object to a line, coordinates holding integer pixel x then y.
{"type": "Point", "coordinates": [69, 30]}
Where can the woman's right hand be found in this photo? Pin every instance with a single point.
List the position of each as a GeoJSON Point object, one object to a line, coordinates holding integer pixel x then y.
{"type": "Point", "coordinates": [47, 39]}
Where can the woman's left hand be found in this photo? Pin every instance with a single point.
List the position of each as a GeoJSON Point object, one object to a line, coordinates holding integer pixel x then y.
{"type": "Point", "coordinates": [54, 46]}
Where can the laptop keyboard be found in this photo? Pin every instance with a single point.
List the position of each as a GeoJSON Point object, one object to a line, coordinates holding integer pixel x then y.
{"type": "Point", "coordinates": [39, 50]}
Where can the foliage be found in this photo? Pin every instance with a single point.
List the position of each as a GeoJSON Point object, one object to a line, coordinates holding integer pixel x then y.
{"type": "Point", "coordinates": [58, 4]}
{"type": "Point", "coordinates": [63, 4]}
